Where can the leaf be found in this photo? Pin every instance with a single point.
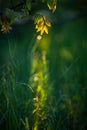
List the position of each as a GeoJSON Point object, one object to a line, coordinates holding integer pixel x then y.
{"type": "Point", "coordinates": [48, 23]}
{"type": "Point", "coordinates": [42, 31]}
{"type": "Point", "coordinates": [41, 23]}
{"type": "Point", "coordinates": [36, 26]}
{"type": "Point", "coordinates": [46, 29]}
{"type": "Point", "coordinates": [28, 5]}
{"type": "Point", "coordinates": [39, 28]}
{"type": "Point", "coordinates": [34, 111]}
{"type": "Point", "coordinates": [9, 13]}
{"type": "Point", "coordinates": [52, 5]}
{"type": "Point", "coordinates": [25, 13]}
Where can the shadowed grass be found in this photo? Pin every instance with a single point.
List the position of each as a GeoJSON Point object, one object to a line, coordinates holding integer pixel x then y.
{"type": "Point", "coordinates": [43, 85]}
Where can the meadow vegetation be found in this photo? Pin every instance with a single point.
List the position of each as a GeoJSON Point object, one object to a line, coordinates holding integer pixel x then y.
{"type": "Point", "coordinates": [43, 79]}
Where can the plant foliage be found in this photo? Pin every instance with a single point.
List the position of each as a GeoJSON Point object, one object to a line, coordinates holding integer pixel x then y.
{"type": "Point", "coordinates": [26, 7]}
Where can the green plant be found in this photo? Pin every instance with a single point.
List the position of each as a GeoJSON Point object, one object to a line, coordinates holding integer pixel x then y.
{"type": "Point", "coordinates": [22, 10]}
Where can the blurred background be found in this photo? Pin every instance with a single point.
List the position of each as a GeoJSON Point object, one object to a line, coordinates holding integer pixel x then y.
{"type": "Point", "coordinates": [43, 82]}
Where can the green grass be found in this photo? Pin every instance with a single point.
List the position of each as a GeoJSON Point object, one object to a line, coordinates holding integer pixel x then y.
{"type": "Point", "coordinates": [43, 84]}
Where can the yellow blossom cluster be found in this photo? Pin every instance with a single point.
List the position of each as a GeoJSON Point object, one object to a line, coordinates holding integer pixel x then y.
{"type": "Point", "coordinates": [5, 27]}
{"type": "Point", "coordinates": [42, 24]}
{"type": "Point", "coordinates": [52, 5]}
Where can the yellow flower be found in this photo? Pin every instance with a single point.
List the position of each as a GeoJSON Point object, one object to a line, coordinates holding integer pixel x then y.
{"type": "Point", "coordinates": [52, 6]}
{"type": "Point", "coordinates": [42, 31]}
{"type": "Point", "coordinates": [46, 29]}
{"type": "Point", "coordinates": [5, 27]}
{"type": "Point", "coordinates": [39, 28]}
{"type": "Point", "coordinates": [42, 25]}
{"type": "Point", "coordinates": [48, 23]}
